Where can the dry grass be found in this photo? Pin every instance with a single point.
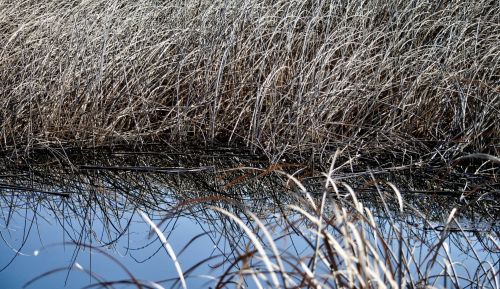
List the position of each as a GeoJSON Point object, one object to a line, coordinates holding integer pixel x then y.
{"type": "Point", "coordinates": [345, 244]}
{"type": "Point", "coordinates": [274, 75]}
{"type": "Point", "coordinates": [266, 228]}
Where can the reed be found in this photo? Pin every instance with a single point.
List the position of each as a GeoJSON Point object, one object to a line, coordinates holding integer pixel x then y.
{"type": "Point", "coordinates": [268, 229]}
{"type": "Point", "coordinates": [277, 76]}
{"type": "Point", "coordinates": [330, 242]}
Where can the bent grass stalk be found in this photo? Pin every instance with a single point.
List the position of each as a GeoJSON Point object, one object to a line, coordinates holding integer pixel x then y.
{"type": "Point", "coordinates": [346, 245]}
{"type": "Point", "coordinates": [363, 264]}
{"type": "Point", "coordinates": [277, 76]}
{"type": "Point", "coordinates": [258, 245]}
{"type": "Point", "coordinates": [167, 247]}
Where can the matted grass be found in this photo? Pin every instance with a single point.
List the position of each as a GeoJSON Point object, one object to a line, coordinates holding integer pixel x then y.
{"type": "Point", "coordinates": [278, 76]}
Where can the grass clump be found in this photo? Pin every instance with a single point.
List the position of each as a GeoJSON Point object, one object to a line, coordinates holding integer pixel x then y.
{"type": "Point", "coordinates": [275, 75]}
{"type": "Point", "coordinates": [261, 226]}
{"type": "Point", "coordinates": [332, 240]}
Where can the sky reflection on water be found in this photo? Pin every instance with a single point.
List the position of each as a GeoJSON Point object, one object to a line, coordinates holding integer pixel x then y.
{"type": "Point", "coordinates": [101, 211]}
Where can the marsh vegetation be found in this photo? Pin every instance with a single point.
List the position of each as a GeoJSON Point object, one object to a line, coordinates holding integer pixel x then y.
{"type": "Point", "coordinates": [287, 144]}
{"type": "Point", "coordinates": [277, 76]}
{"type": "Point", "coordinates": [216, 221]}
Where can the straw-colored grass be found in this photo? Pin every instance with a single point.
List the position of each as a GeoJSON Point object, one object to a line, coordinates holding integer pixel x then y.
{"type": "Point", "coordinates": [264, 227]}
{"type": "Point", "coordinates": [274, 75]}
{"type": "Point", "coordinates": [344, 244]}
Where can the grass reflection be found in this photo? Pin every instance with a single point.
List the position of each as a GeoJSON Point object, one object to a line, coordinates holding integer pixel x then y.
{"type": "Point", "coordinates": [262, 225]}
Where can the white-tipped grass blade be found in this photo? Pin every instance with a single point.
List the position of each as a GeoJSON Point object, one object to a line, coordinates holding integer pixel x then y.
{"type": "Point", "coordinates": [309, 274]}
{"type": "Point", "coordinates": [450, 217]}
{"type": "Point", "coordinates": [398, 195]}
{"type": "Point", "coordinates": [357, 204]}
{"type": "Point", "coordinates": [270, 266]}
{"type": "Point", "coordinates": [167, 247]}
{"type": "Point", "coordinates": [274, 249]}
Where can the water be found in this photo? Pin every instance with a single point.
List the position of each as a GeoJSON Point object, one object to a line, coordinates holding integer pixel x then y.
{"type": "Point", "coordinates": [78, 225]}
{"type": "Point", "coordinates": [46, 250]}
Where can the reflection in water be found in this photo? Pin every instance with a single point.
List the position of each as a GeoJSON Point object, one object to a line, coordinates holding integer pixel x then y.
{"type": "Point", "coordinates": [76, 223]}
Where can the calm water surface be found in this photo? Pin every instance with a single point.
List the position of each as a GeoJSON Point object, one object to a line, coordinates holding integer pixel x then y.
{"type": "Point", "coordinates": [50, 208]}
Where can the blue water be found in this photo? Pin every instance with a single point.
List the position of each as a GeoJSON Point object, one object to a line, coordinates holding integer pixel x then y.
{"type": "Point", "coordinates": [41, 240]}
{"type": "Point", "coordinates": [45, 250]}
